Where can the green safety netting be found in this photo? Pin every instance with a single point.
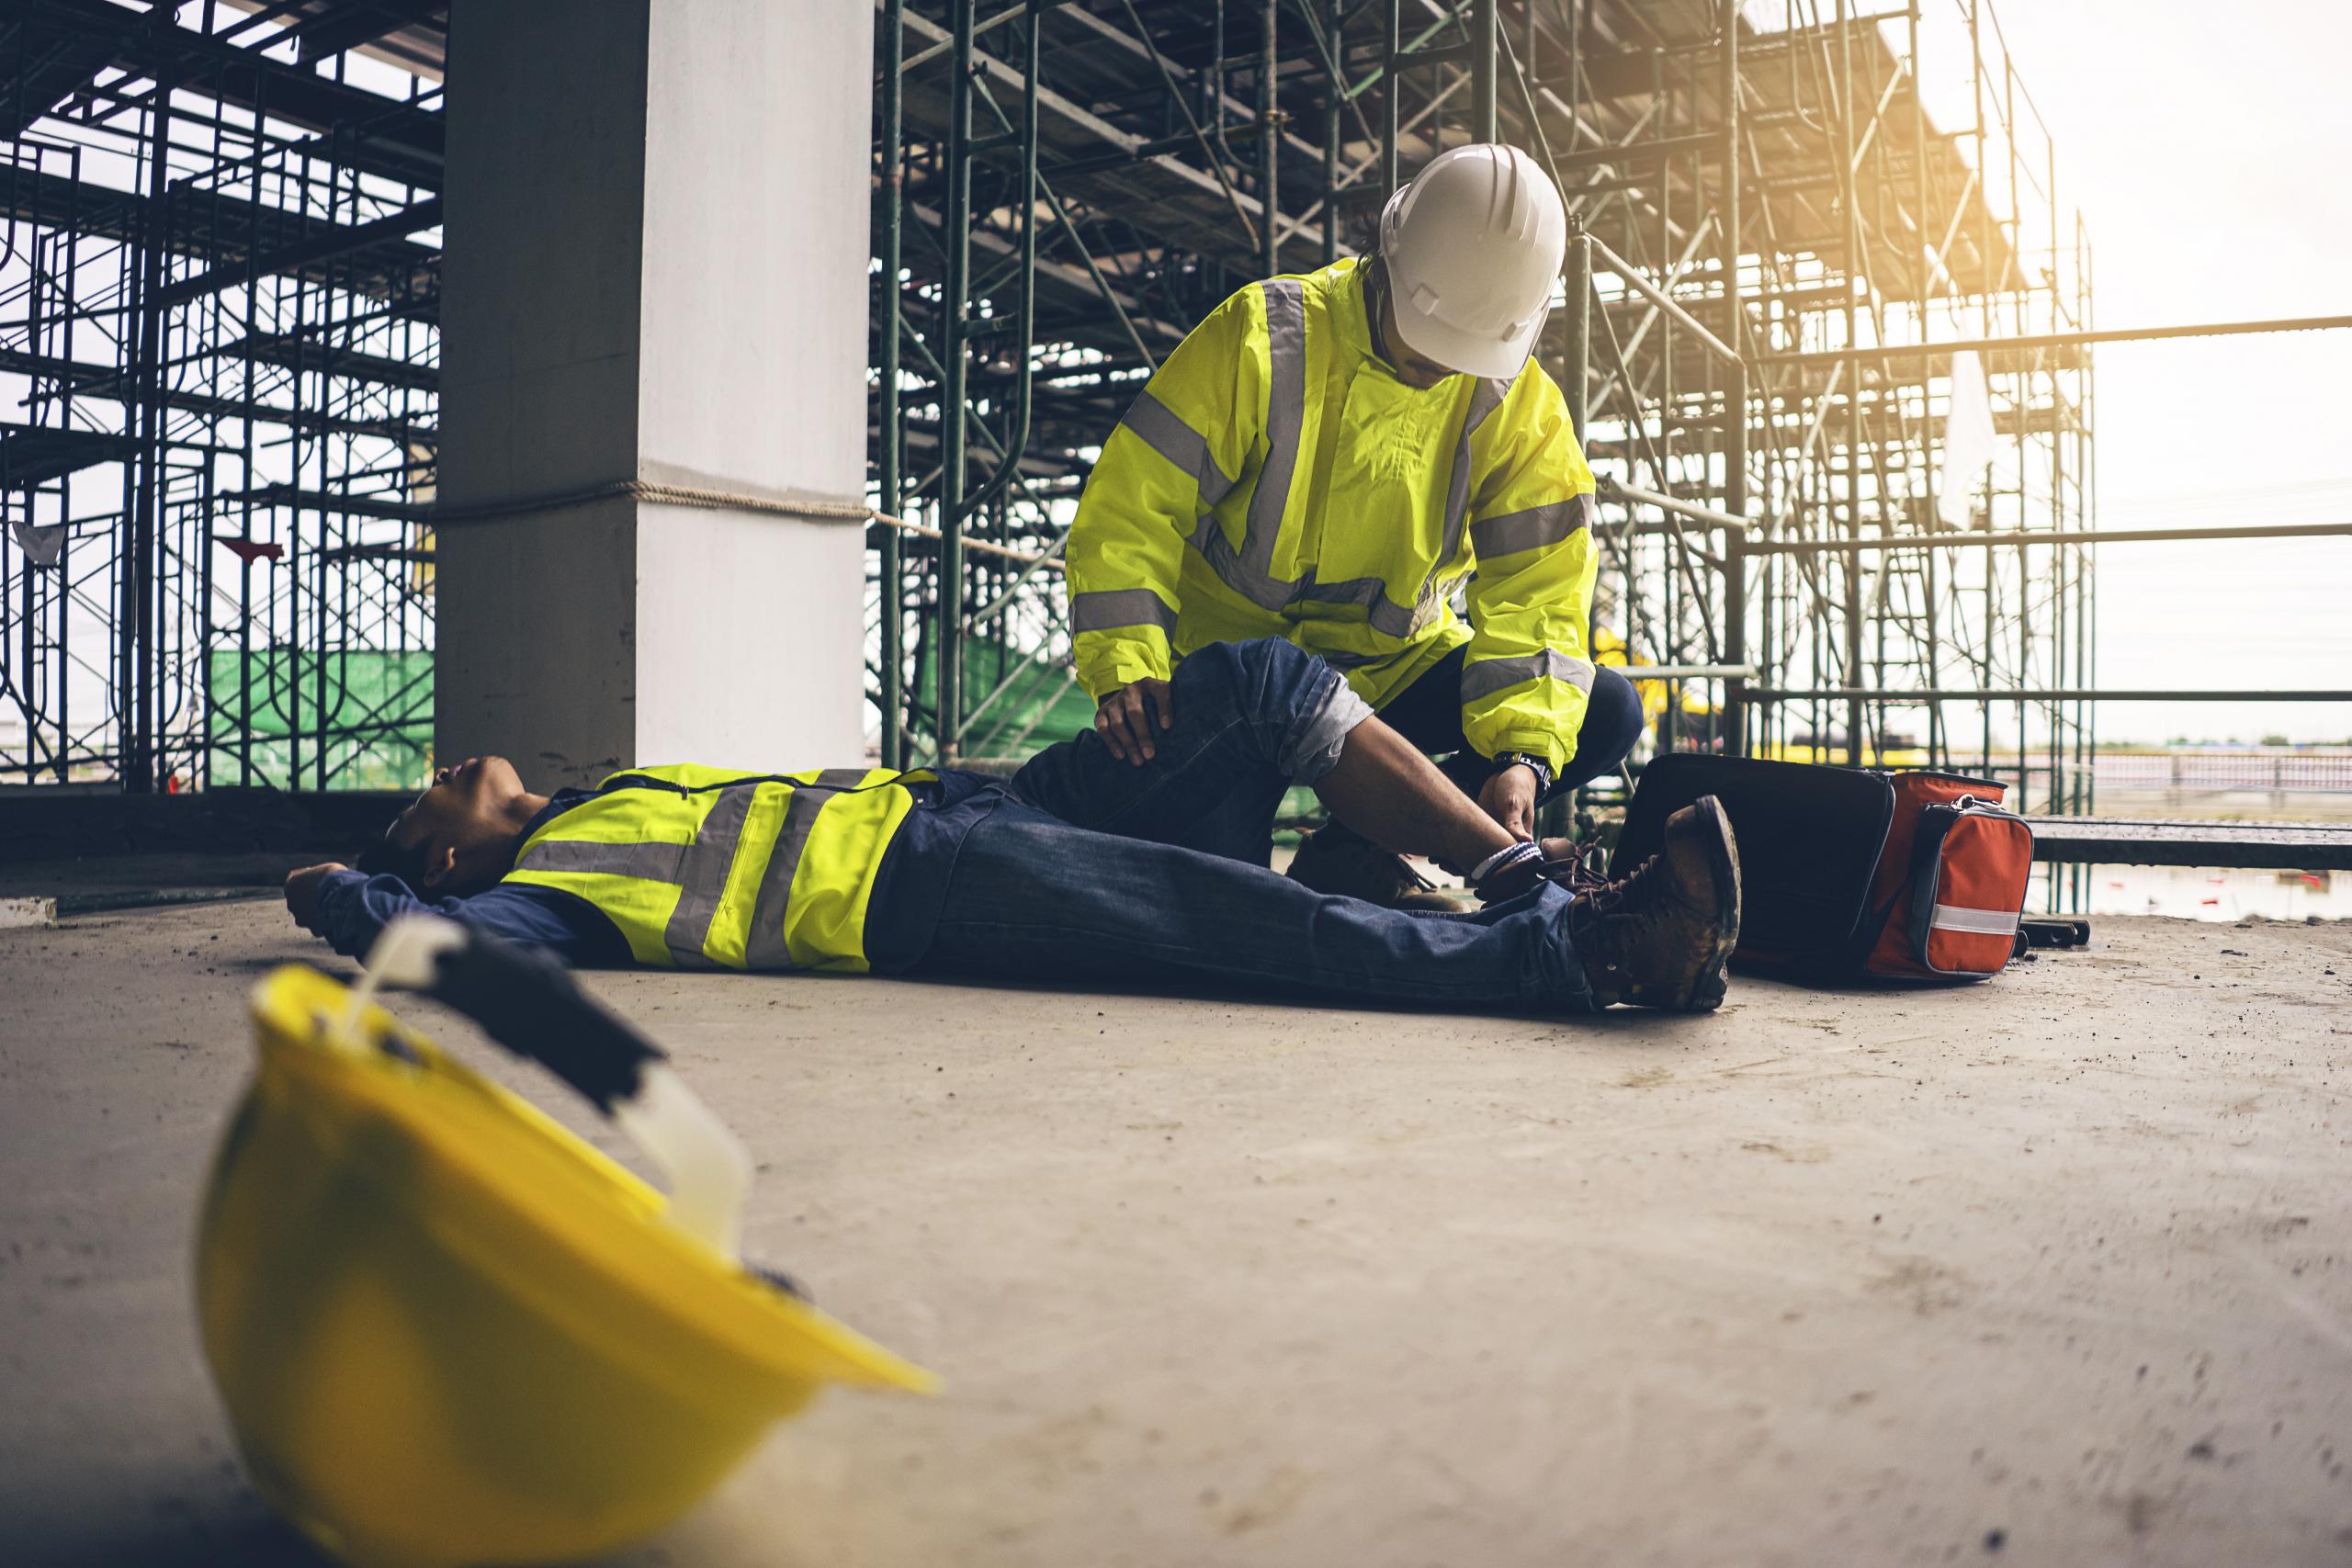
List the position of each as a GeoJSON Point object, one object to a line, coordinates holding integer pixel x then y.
{"type": "Point", "coordinates": [1039, 705]}
{"type": "Point", "coordinates": [274, 715]}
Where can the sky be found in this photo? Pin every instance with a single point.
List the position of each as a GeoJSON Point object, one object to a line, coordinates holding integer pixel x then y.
{"type": "Point", "coordinates": [2208, 148]}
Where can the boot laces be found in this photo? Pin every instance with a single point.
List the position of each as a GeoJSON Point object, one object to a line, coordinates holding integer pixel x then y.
{"type": "Point", "coordinates": [1631, 902]}
{"type": "Point", "coordinates": [1579, 871]}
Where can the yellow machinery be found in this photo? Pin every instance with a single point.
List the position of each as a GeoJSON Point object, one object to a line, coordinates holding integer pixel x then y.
{"type": "Point", "coordinates": [447, 1331]}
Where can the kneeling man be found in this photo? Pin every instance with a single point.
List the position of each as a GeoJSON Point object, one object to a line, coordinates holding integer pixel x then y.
{"type": "Point", "coordinates": [1081, 867]}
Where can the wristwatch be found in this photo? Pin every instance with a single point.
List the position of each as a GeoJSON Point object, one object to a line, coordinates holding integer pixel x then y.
{"type": "Point", "coordinates": [1522, 759]}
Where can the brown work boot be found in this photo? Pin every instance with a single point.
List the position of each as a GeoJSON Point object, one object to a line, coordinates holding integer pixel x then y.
{"type": "Point", "coordinates": [1336, 861]}
{"type": "Point", "coordinates": [1660, 936]}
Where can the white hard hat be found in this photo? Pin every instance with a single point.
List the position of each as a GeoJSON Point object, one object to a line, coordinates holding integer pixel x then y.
{"type": "Point", "coordinates": [1472, 247]}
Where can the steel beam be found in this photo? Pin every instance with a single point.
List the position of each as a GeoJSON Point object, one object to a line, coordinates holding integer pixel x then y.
{"type": "Point", "coordinates": [2045, 695]}
{"type": "Point", "coordinates": [2063, 340]}
{"type": "Point", "coordinates": [2271, 846]}
{"type": "Point", "coordinates": [2070, 536]}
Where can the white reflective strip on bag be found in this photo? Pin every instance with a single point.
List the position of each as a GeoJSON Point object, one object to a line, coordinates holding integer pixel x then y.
{"type": "Point", "coordinates": [1982, 922]}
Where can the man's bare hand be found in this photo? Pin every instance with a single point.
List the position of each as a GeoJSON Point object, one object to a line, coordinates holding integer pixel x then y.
{"type": "Point", "coordinates": [1509, 800]}
{"type": "Point", "coordinates": [1124, 719]}
{"type": "Point", "coordinates": [303, 895]}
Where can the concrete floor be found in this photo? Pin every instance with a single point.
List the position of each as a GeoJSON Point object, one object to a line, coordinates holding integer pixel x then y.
{"type": "Point", "coordinates": [2058, 1270]}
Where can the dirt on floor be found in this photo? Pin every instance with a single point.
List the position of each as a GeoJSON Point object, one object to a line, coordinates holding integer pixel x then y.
{"type": "Point", "coordinates": [2057, 1270]}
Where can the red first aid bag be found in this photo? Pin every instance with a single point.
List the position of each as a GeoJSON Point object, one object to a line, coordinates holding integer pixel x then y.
{"type": "Point", "coordinates": [1847, 873]}
{"type": "Point", "coordinates": [1950, 882]}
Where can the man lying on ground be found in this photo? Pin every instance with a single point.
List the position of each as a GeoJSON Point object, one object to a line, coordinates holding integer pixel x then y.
{"type": "Point", "coordinates": [1080, 868]}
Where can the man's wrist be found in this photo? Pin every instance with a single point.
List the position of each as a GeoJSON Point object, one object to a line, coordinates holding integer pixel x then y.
{"type": "Point", "coordinates": [1541, 768]}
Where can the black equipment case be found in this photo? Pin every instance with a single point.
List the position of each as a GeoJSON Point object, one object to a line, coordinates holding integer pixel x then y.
{"type": "Point", "coordinates": [1832, 863]}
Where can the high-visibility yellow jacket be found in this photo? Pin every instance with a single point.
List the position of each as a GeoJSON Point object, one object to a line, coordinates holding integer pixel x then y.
{"type": "Point", "coordinates": [1277, 479]}
{"type": "Point", "coordinates": [716, 868]}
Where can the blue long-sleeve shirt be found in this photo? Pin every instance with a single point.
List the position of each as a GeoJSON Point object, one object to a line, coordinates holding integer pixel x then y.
{"type": "Point", "coordinates": [908, 889]}
{"type": "Point", "coordinates": [356, 908]}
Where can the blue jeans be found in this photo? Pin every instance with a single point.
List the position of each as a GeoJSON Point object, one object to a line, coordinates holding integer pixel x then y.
{"type": "Point", "coordinates": [1090, 868]}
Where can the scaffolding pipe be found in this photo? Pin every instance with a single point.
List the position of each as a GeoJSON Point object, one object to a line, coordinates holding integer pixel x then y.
{"type": "Point", "coordinates": [1659, 297]}
{"type": "Point", "coordinates": [1010, 450]}
{"type": "Point", "coordinates": [1391, 102]}
{"type": "Point", "coordinates": [1270, 141]}
{"type": "Point", "coordinates": [2062, 340]}
{"type": "Point", "coordinates": [1580, 361]}
{"type": "Point", "coordinates": [1618, 489]}
{"type": "Point", "coordinates": [892, 434]}
{"type": "Point", "coordinates": [1484, 49]}
{"type": "Point", "coordinates": [1335, 55]}
{"type": "Point", "coordinates": [2055, 536]}
{"type": "Point", "coordinates": [1734, 568]}
{"type": "Point", "coordinates": [947, 654]}
{"type": "Point", "coordinates": [2045, 695]}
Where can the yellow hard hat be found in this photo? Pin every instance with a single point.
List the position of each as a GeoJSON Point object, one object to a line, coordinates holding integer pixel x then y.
{"type": "Point", "coordinates": [447, 1330]}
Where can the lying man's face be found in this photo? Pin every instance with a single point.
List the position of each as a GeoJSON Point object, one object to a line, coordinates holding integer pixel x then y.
{"type": "Point", "coordinates": [458, 838]}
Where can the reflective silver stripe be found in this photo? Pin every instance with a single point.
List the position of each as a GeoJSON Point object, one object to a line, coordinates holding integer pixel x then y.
{"type": "Point", "coordinates": [1166, 434]}
{"type": "Point", "coordinates": [1982, 922]}
{"type": "Point", "coordinates": [1249, 571]}
{"type": "Point", "coordinates": [1532, 529]}
{"type": "Point", "coordinates": [1392, 619]}
{"type": "Point", "coordinates": [1492, 675]}
{"type": "Point", "coordinates": [1286, 419]}
{"type": "Point", "coordinates": [1269, 592]}
{"type": "Point", "coordinates": [1488, 396]}
{"type": "Point", "coordinates": [702, 876]}
{"type": "Point", "coordinates": [647, 861]}
{"type": "Point", "coordinates": [765, 948]}
{"type": "Point", "coordinates": [699, 870]}
{"type": "Point", "coordinates": [1364, 591]}
{"type": "Point", "coordinates": [1259, 588]}
{"type": "Point", "coordinates": [1485, 398]}
{"type": "Point", "coordinates": [1369, 592]}
{"type": "Point", "coordinates": [1106, 609]}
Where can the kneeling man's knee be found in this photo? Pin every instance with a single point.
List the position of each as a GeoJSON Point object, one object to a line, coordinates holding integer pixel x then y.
{"type": "Point", "coordinates": [1272, 661]}
{"type": "Point", "coordinates": [1297, 707]}
{"type": "Point", "coordinates": [1262, 675]}
{"type": "Point", "coordinates": [1613, 719]}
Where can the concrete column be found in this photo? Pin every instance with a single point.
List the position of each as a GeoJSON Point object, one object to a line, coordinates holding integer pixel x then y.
{"type": "Point", "coordinates": [656, 270]}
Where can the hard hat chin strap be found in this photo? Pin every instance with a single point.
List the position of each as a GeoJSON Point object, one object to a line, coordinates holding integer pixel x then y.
{"type": "Point", "coordinates": [706, 1167]}
{"type": "Point", "coordinates": [531, 1005]}
{"type": "Point", "coordinates": [1375, 307]}
{"type": "Point", "coordinates": [1391, 215]}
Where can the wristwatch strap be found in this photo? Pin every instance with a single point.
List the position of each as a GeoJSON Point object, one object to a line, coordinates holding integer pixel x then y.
{"type": "Point", "coordinates": [1524, 760]}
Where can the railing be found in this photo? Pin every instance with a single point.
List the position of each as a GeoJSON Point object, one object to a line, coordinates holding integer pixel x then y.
{"type": "Point", "coordinates": [2279, 773]}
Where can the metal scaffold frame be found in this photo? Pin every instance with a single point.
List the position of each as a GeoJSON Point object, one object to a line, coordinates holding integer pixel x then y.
{"type": "Point", "coordinates": [219, 346]}
{"type": "Point", "coordinates": [218, 349]}
{"type": "Point", "coordinates": [1776, 251]}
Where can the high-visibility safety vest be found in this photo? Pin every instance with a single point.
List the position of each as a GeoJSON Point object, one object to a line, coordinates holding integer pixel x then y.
{"type": "Point", "coordinates": [716, 868]}
{"type": "Point", "coordinates": [1277, 479]}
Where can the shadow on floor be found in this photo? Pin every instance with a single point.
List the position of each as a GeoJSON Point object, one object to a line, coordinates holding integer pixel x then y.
{"type": "Point", "coordinates": [172, 1533]}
